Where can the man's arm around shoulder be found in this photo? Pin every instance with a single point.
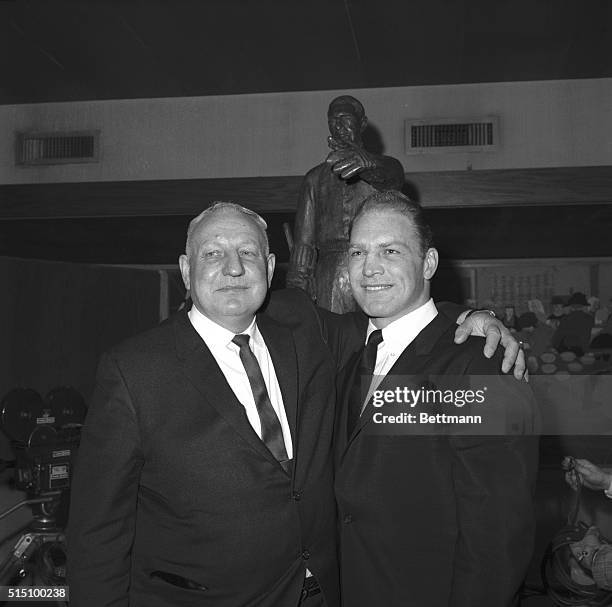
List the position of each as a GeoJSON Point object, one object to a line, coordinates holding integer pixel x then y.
{"type": "Point", "coordinates": [343, 334]}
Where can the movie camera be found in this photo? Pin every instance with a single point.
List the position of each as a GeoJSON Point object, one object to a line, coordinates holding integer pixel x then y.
{"type": "Point", "coordinates": [44, 436]}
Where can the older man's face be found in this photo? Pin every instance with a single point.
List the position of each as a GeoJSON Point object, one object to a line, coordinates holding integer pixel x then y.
{"type": "Point", "coordinates": [227, 270]}
{"type": "Point", "coordinates": [388, 272]}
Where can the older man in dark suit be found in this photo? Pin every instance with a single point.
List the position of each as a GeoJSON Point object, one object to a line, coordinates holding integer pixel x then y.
{"type": "Point", "coordinates": [443, 520]}
{"type": "Point", "coordinates": [205, 469]}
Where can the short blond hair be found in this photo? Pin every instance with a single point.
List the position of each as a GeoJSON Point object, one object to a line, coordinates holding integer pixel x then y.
{"type": "Point", "coordinates": [217, 206]}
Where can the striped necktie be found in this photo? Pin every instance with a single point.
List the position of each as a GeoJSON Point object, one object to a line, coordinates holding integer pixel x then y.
{"type": "Point", "coordinates": [271, 431]}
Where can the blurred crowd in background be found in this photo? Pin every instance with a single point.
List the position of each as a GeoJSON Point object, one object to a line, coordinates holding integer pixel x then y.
{"type": "Point", "coordinates": [573, 336]}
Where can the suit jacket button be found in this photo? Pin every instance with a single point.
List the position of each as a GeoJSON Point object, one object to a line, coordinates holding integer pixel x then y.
{"type": "Point", "coordinates": [305, 555]}
{"type": "Point", "coordinates": [348, 519]}
{"type": "Point", "coordinates": [296, 495]}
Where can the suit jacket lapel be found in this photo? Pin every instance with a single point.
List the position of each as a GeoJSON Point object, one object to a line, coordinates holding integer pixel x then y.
{"type": "Point", "coordinates": [204, 373]}
{"type": "Point", "coordinates": [279, 341]}
{"type": "Point", "coordinates": [344, 383]}
{"type": "Point", "coordinates": [407, 363]}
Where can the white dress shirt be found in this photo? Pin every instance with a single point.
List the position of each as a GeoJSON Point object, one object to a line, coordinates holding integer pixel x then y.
{"type": "Point", "coordinates": [397, 336]}
{"type": "Point", "coordinates": [227, 355]}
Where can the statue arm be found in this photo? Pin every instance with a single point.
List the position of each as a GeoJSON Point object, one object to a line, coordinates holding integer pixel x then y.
{"type": "Point", "coordinates": [386, 173]}
{"type": "Point", "coordinates": [303, 255]}
{"type": "Point", "coordinates": [381, 172]}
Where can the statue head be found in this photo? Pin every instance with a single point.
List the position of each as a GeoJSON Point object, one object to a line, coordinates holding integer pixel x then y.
{"type": "Point", "coordinates": [346, 119]}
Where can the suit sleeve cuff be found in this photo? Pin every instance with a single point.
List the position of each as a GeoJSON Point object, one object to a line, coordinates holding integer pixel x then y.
{"type": "Point", "coordinates": [467, 313]}
{"type": "Point", "coordinates": [602, 567]}
{"type": "Point", "coordinates": [463, 316]}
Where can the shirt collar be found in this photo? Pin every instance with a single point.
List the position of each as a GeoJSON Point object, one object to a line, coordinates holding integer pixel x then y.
{"type": "Point", "coordinates": [215, 334]}
{"type": "Point", "coordinates": [401, 332]}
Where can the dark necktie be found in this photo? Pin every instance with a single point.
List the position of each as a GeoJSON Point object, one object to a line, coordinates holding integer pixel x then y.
{"type": "Point", "coordinates": [271, 431]}
{"type": "Point", "coordinates": [363, 377]}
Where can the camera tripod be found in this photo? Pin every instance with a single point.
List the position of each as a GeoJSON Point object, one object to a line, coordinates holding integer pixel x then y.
{"type": "Point", "coordinates": [38, 558]}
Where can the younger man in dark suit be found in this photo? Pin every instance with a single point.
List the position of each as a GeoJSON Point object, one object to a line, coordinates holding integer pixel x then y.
{"type": "Point", "coordinates": [443, 520]}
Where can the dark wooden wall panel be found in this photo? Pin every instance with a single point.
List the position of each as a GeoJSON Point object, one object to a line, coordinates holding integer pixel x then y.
{"type": "Point", "coordinates": [567, 185]}
{"type": "Point", "coordinates": [58, 318]}
{"type": "Point", "coordinates": [141, 198]}
{"type": "Point", "coordinates": [572, 185]}
{"type": "Point", "coordinates": [503, 232]}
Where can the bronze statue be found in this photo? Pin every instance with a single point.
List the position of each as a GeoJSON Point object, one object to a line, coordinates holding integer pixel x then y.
{"type": "Point", "coordinates": [329, 196]}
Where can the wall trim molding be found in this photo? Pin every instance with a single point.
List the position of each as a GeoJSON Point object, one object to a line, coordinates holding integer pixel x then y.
{"type": "Point", "coordinates": [439, 189]}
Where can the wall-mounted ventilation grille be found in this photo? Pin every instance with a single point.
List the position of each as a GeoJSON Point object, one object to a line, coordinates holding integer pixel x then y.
{"type": "Point", "coordinates": [57, 148]}
{"type": "Point", "coordinates": [452, 135]}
